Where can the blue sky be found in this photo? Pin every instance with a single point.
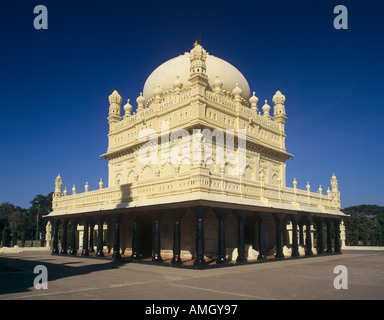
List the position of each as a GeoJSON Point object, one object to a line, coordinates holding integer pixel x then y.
{"type": "Point", "coordinates": [55, 83]}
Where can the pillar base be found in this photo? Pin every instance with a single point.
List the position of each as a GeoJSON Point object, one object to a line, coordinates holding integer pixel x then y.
{"type": "Point", "coordinates": [176, 260]}
{"type": "Point", "coordinates": [157, 258]}
{"type": "Point", "coordinates": [241, 259]}
{"type": "Point", "coordinates": [116, 256]}
{"type": "Point", "coordinates": [221, 260]}
{"type": "Point", "coordinates": [99, 254]}
{"type": "Point", "coordinates": [135, 257]}
{"type": "Point", "coordinates": [279, 256]}
{"type": "Point", "coordinates": [200, 262]}
{"type": "Point", "coordinates": [261, 257]}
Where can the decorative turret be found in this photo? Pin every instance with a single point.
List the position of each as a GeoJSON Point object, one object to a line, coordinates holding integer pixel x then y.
{"type": "Point", "coordinates": [198, 69]}
{"type": "Point", "coordinates": [266, 108]}
{"type": "Point", "coordinates": [279, 115]}
{"type": "Point", "coordinates": [253, 101]}
{"type": "Point", "coordinates": [217, 85]}
{"type": "Point", "coordinates": [198, 57]}
{"type": "Point", "coordinates": [177, 84]}
{"type": "Point", "coordinates": [237, 92]}
{"type": "Point", "coordinates": [294, 183]}
{"type": "Point", "coordinates": [140, 102]}
{"type": "Point", "coordinates": [58, 186]}
{"type": "Point", "coordinates": [335, 194]}
{"type": "Point", "coordinates": [127, 109]}
{"type": "Point", "coordinates": [278, 100]}
{"type": "Point", "coordinates": [334, 184]}
{"type": "Point", "coordinates": [114, 108]}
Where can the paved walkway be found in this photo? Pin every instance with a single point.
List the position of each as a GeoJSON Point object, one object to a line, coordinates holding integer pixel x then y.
{"type": "Point", "coordinates": [75, 278]}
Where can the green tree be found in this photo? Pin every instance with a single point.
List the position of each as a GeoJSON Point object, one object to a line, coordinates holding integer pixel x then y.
{"type": "Point", "coordinates": [22, 222]}
{"type": "Point", "coordinates": [365, 224]}
{"type": "Point", "coordinates": [41, 205]}
{"type": "Point", "coordinates": [6, 236]}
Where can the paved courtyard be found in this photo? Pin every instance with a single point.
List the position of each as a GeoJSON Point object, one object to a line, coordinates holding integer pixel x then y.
{"type": "Point", "coordinates": [76, 278]}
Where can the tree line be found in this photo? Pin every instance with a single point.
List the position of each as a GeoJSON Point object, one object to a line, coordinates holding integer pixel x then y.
{"type": "Point", "coordinates": [365, 225]}
{"type": "Point", "coordinates": [20, 224]}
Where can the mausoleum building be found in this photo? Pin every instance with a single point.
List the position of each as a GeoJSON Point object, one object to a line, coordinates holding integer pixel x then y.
{"type": "Point", "coordinates": [197, 173]}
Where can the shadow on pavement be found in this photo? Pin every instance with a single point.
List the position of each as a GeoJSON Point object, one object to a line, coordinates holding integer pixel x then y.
{"type": "Point", "coordinates": [16, 273]}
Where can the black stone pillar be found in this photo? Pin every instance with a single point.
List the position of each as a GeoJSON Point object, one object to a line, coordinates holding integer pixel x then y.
{"type": "Point", "coordinates": [156, 253]}
{"type": "Point", "coordinates": [308, 238]}
{"type": "Point", "coordinates": [320, 236]}
{"type": "Point", "coordinates": [301, 233]}
{"type": "Point", "coordinates": [100, 231]}
{"type": "Point", "coordinates": [85, 251]}
{"type": "Point", "coordinates": [241, 246]}
{"type": "Point", "coordinates": [336, 224]}
{"type": "Point", "coordinates": [91, 245]}
{"type": "Point", "coordinates": [329, 237]}
{"type": "Point", "coordinates": [295, 244]}
{"type": "Point", "coordinates": [55, 241]}
{"type": "Point", "coordinates": [73, 250]}
{"type": "Point", "coordinates": [221, 214]}
{"type": "Point", "coordinates": [200, 213]}
{"type": "Point", "coordinates": [135, 238]}
{"type": "Point", "coordinates": [63, 250]}
{"type": "Point", "coordinates": [116, 238]}
{"type": "Point", "coordinates": [176, 237]}
{"type": "Point", "coordinates": [279, 243]}
{"type": "Point", "coordinates": [261, 255]}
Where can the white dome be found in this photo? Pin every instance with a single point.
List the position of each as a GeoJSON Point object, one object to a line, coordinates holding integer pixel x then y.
{"type": "Point", "coordinates": [165, 75]}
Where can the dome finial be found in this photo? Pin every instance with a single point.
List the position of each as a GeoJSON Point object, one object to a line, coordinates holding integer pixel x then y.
{"type": "Point", "coordinates": [197, 41]}
{"type": "Point", "coordinates": [127, 109]}
{"type": "Point", "coordinates": [266, 108]}
{"type": "Point", "coordinates": [253, 100]}
{"type": "Point", "coordinates": [217, 84]}
{"type": "Point", "coordinates": [140, 101]}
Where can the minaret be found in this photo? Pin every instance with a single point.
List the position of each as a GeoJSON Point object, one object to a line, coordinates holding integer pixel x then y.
{"type": "Point", "coordinates": [334, 184]}
{"type": "Point", "coordinates": [279, 115]}
{"type": "Point", "coordinates": [278, 100]}
{"type": "Point", "coordinates": [198, 75]}
{"type": "Point", "coordinates": [114, 109]}
{"type": "Point", "coordinates": [335, 193]}
{"type": "Point", "coordinates": [58, 186]}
